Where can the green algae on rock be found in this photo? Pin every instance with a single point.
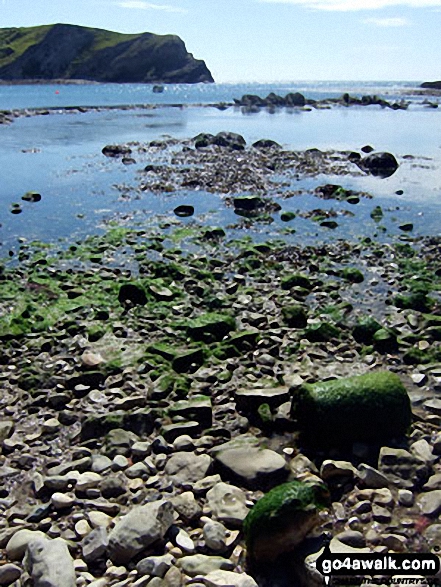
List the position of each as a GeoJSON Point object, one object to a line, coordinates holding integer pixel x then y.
{"type": "Point", "coordinates": [280, 521]}
{"type": "Point", "coordinates": [365, 408]}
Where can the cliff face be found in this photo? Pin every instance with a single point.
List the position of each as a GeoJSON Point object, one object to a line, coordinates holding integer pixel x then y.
{"type": "Point", "coordinates": [63, 51]}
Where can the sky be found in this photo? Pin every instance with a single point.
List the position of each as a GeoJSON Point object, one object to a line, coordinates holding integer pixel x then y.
{"type": "Point", "coordinates": [270, 40]}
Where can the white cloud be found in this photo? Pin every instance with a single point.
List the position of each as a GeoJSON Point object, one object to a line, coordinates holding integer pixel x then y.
{"type": "Point", "coordinates": [388, 22]}
{"type": "Point", "coordinates": [141, 5]}
{"type": "Point", "coordinates": [354, 5]}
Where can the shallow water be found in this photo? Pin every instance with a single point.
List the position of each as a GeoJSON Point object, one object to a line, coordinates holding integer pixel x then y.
{"type": "Point", "coordinates": [60, 157]}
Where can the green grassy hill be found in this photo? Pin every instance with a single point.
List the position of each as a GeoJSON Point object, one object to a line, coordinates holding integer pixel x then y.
{"type": "Point", "coordinates": [63, 51]}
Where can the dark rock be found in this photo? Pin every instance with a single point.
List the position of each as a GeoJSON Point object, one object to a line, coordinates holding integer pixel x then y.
{"type": "Point", "coordinates": [379, 164]}
{"type": "Point", "coordinates": [431, 85]}
{"type": "Point", "coordinates": [231, 140]}
{"type": "Point", "coordinates": [249, 203]}
{"type": "Point", "coordinates": [132, 294]}
{"type": "Point", "coordinates": [266, 144]}
{"type": "Point", "coordinates": [203, 140]}
{"type": "Point", "coordinates": [295, 99]}
{"type": "Point", "coordinates": [31, 197]}
{"type": "Point", "coordinates": [184, 211]}
{"type": "Point", "coordinates": [116, 151]}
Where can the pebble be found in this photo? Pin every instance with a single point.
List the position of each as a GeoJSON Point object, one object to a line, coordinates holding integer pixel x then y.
{"type": "Point", "coordinates": [9, 573]}
{"type": "Point", "coordinates": [62, 501]}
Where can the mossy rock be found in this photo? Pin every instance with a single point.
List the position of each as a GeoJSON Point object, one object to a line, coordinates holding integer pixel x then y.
{"type": "Point", "coordinates": [321, 332]}
{"type": "Point", "coordinates": [287, 216]}
{"type": "Point", "coordinates": [210, 327]}
{"type": "Point", "coordinates": [365, 408]}
{"type": "Point", "coordinates": [280, 521]}
{"type": "Point", "coordinates": [352, 274]}
{"type": "Point", "coordinates": [296, 280]}
{"type": "Point", "coordinates": [417, 300]}
{"type": "Point", "coordinates": [377, 214]}
{"type": "Point", "coordinates": [363, 332]}
{"type": "Point", "coordinates": [385, 341]}
{"type": "Point", "coordinates": [188, 361]}
{"type": "Point", "coordinates": [295, 316]}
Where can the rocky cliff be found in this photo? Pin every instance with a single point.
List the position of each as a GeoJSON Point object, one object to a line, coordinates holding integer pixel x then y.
{"type": "Point", "coordinates": [432, 85]}
{"type": "Point", "coordinates": [69, 52]}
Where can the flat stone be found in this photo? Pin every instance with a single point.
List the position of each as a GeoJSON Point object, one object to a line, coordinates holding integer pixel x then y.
{"type": "Point", "coordinates": [155, 566]}
{"type": "Point", "coordinates": [228, 579]}
{"type": "Point", "coordinates": [6, 429]}
{"type": "Point", "coordinates": [430, 503]}
{"type": "Point", "coordinates": [49, 563]}
{"type": "Point", "coordinates": [252, 467]}
{"type": "Point", "coordinates": [336, 469]}
{"type": "Point", "coordinates": [215, 535]}
{"type": "Point", "coordinates": [186, 467]}
{"type": "Point", "coordinates": [403, 468]}
{"type": "Point", "coordinates": [227, 503]}
{"type": "Point", "coordinates": [142, 526]}
{"type": "Point", "coordinates": [87, 480]}
{"type": "Point", "coordinates": [250, 399]}
{"type": "Point", "coordinates": [202, 564]}
{"type": "Point", "coordinates": [371, 477]}
{"type": "Point", "coordinates": [97, 519]}
{"type": "Point", "coordinates": [423, 450]}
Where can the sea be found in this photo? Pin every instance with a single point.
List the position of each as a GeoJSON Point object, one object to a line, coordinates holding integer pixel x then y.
{"type": "Point", "coordinates": [59, 156]}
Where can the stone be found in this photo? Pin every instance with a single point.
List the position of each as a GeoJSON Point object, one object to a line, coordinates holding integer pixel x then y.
{"type": "Point", "coordinates": [422, 449]}
{"type": "Point", "coordinates": [215, 535]}
{"type": "Point", "coordinates": [430, 503]}
{"type": "Point", "coordinates": [183, 442]}
{"type": "Point", "coordinates": [17, 544]}
{"type": "Point", "coordinates": [184, 542]}
{"type": "Point", "coordinates": [433, 535]}
{"type": "Point", "coordinates": [87, 480]}
{"type": "Point", "coordinates": [228, 504]}
{"type": "Point", "coordinates": [97, 519]}
{"type": "Point", "coordinates": [187, 507]}
{"type": "Point", "coordinates": [282, 518]}
{"type": "Point", "coordinates": [95, 544]}
{"type": "Point", "coordinates": [228, 579]}
{"type": "Point", "coordinates": [187, 467]}
{"type": "Point", "coordinates": [197, 409]}
{"type": "Point", "coordinates": [352, 538]}
{"type": "Point", "coordinates": [142, 526]}
{"type": "Point", "coordinates": [405, 497]}
{"type": "Point", "coordinates": [434, 482]}
{"type": "Point", "coordinates": [62, 501]}
{"type": "Point", "coordinates": [202, 564]}
{"type": "Point", "coordinates": [155, 566]}
{"type": "Point", "coordinates": [9, 573]}
{"type": "Point", "coordinates": [331, 470]}
{"type": "Point", "coordinates": [252, 467]}
{"type": "Point", "coordinates": [249, 399]}
{"type": "Point", "coordinates": [371, 477]}
{"type": "Point", "coordinates": [407, 471]}
{"type": "Point", "coordinates": [6, 429]}
{"type": "Point", "coordinates": [338, 547]}
{"type": "Point", "coordinates": [395, 542]}
{"type": "Point", "coordinates": [381, 514]}
{"type": "Point", "coordinates": [379, 164]}
{"type": "Point", "coordinates": [49, 563]}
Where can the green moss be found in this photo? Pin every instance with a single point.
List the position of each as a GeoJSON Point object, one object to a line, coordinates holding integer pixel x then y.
{"type": "Point", "coordinates": [296, 280]}
{"type": "Point", "coordinates": [322, 332]}
{"type": "Point", "coordinates": [278, 509]}
{"type": "Point", "coordinates": [385, 341]}
{"type": "Point", "coordinates": [367, 408]}
{"type": "Point", "coordinates": [352, 274]}
{"type": "Point", "coordinates": [210, 327]}
{"type": "Point", "coordinates": [417, 300]}
{"type": "Point", "coordinates": [295, 316]}
{"type": "Point", "coordinates": [365, 329]}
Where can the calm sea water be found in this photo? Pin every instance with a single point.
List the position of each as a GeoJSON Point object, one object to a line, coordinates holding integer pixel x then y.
{"type": "Point", "coordinates": [60, 156]}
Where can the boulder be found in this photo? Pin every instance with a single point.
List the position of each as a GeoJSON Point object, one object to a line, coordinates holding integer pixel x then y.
{"type": "Point", "coordinates": [187, 467]}
{"type": "Point", "coordinates": [140, 528]}
{"type": "Point", "coordinates": [281, 520]}
{"type": "Point", "coordinates": [365, 408]}
{"type": "Point", "coordinates": [227, 503]}
{"type": "Point", "coordinates": [231, 140]}
{"type": "Point", "coordinates": [116, 150]}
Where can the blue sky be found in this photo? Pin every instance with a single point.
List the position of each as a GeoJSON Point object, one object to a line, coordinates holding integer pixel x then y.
{"type": "Point", "coordinates": [271, 40]}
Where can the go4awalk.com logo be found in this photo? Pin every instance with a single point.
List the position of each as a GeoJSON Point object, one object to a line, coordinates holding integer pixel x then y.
{"type": "Point", "coordinates": [360, 565]}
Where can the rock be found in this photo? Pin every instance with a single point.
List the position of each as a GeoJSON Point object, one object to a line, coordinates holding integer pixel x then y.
{"type": "Point", "coordinates": [249, 399]}
{"type": "Point", "coordinates": [430, 503]}
{"type": "Point", "coordinates": [187, 467]}
{"type": "Point", "coordinates": [155, 566]}
{"type": "Point", "coordinates": [215, 535]}
{"type": "Point", "coordinates": [142, 526]}
{"type": "Point", "coordinates": [295, 316]}
{"type": "Point", "coordinates": [248, 203]}
{"type": "Point", "coordinates": [280, 521]}
{"type": "Point", "coordinates": [202, 564]}
{"type": "Point", "coordinates": [422, 450]}
{"type": "Point", "coordinates": [17, 544]}
{"type": "Point", "coordinates": [49, 563]}
{"type": "Point", "coordinates": [405, 497]}
{"type": "Point", "coordinates": [351, 538]}
{"type": "Point", "coordinates": [227, 503]}
{"type": "Point", "coordinates": [252, 467]}
{"type": "Point", "coordinates": [9, 573]}
{"type": "Point", "coordinates": [31, 197]}
{"type": "Point", "coordinates": [198, 409]}
{"type": "Point", "coordinates": [184, 211]}
{"type": "Point", "coordinates": [6, 429]}
{"type": "Point", "coordinates": [379, 164]}
{"type": "Point", "coordinates": [229, 139]}
{"type": "Point", "coordinates": [338, 547]}
{"type": "Point", "coordinates": [116, 150]}
{"type": "Point", "coordinates": [434, 482]}
{"type": "Point", "coordinates": [87, 480]}
{"type": "Point", "coordinates": [404, 469]}
{"type": "Point", "coordinates": [228, 579]}
{"type": "Point", "coordinates": [371, 477]}
{"type": "Point", "coordinates": [336, 470]}
{"type": "Point", "coordinates": [132, 294]}
{"type": "Point", "coordinates": [210, 327]}
{"type": "Point", "coordinates": [363, 408]}
{"type": "Point", "coordinates": [187, 507]}
{"type": "Point", "coordinates": [61, 501]}
{"type": "Point", "coordinates": [264, 144]}
{"type": "Point", "coordinates": [95, 544]}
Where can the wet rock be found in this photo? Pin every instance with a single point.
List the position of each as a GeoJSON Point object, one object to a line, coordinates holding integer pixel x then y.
{"type": "Point", "coordinates": [6, 429]}
{"type": "Point", "coordinates": [380, 164]}
{"type": "Point", "coordinates": [371, 477]}
{"type": "Point", "coordinates": [50, 564]}
{"type": "Point", "coordinates": [142, 526]}
{"type": "Point", "coordinates": [248, 203]}
{"type": "Point", "coordinates": [263, 144]}
{"type": "Point", "coordinates": [116, 151]}
{"type": "Point", "coordinates": [229, 139]}
{"type": "Point", "coordinates": [31, 197]}
{"type": "Point", "coordinates": [132, 294]}
{"type": "Point", "coordinates": [184, 211]}
{"type": "Point", "coordinates": [249, 399]}
{"type": "Point", "coordinates": [254, 468]}
{"type": "Point", "coordinates": [227, 503]}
